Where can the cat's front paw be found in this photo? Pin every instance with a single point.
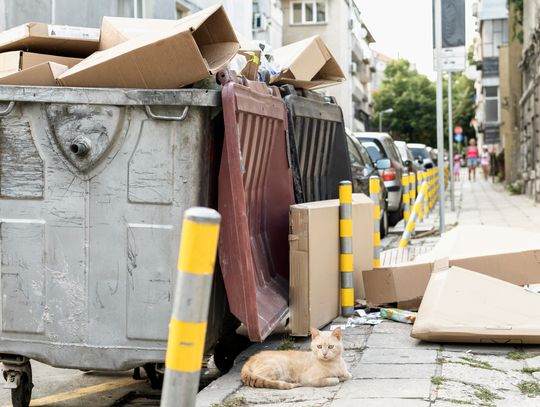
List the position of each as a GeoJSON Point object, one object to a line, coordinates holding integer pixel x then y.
{"type": "Point", "coordinates": [346, 376]}
{"type": "Point", "coordinates": [332, 381]}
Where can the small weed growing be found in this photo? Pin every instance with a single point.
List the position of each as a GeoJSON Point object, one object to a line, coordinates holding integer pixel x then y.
{"type": "Point", "coordinates": [455, 401]}
{"type": "Point", "coordinates": [440, 361]}
{"type": "Point", "coordinates": [530, 370]}
{"type": "Point", "coordinates": [484, 394]}
{"type": "Point", "coordinates": [522, 355]}
{"type": "Point", "coordinates": [529, 388]}
{"type": "Point", "coordinates": [235, 402]}
{"type": "Point", "coordinates": [438, 380]}
{"type": "Point", "coordinates": [287, 344]}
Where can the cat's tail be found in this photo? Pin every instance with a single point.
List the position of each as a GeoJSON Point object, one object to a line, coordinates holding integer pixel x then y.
{"type": "Point", "coordinates": [254, 380]}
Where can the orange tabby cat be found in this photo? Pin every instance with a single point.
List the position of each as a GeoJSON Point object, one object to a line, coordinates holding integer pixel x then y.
{"type": "Point", "coordinates": [323, 366]}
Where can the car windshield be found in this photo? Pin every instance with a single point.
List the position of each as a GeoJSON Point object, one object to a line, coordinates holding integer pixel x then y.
{"type": "Point", "coordinates": [419, 152]}
{"type": "Point", "coordinates": [374, 151]}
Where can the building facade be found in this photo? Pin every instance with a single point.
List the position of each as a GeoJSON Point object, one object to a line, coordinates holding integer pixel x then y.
{"type": "Point", "coordinates": [268, 22]}
{"type": "Point", "coordinates": [492, 23]}
{"type": "Point", "coordinates": [380, 61]}
{"type": "Point", "coordinates": [340, 25]}
{"type": "Point", "coordinates": [529, 102]}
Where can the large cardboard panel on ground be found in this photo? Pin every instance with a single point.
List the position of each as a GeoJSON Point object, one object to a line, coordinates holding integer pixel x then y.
{"type": "Point", "coordinates": [314, 259]}
{"type": "Point", "coordinates": [15, 61]}
{"type": "Point", "coordinates": [192, 49]}
{"type": "Point", "coordinates": [307, 64]}
{"type": "Point", "coordinates": [509, 254]}
{"type": "Point", "coordinates": [44, 74]}
{"type": "Point", "coordinates": [460, 305]}
{"type": "Point", "coordinates": [61, 40]}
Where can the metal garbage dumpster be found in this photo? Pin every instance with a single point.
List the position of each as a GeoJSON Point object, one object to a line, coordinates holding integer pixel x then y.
{"type": "Point", "coordinates": [318, 144]}
{"type": "Point", "coordinates": [93, 184]}
{"type": "Point", "coordinates": [255, 193]}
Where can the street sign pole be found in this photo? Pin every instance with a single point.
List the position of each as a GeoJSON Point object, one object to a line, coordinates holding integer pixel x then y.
{"type": "Point", "coordinates": [451, 143]}
{"type": "Point", "coordinates": [440, 124]}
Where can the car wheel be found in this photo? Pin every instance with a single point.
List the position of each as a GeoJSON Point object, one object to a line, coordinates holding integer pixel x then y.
{"type": "Point", "coordinates": [394, 217]}
{"type": "Point", "coordinates": [384, 223]}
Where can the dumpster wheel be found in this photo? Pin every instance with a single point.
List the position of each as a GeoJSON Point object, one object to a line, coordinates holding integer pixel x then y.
{"type": "Point", "coordinates": [22, 394]}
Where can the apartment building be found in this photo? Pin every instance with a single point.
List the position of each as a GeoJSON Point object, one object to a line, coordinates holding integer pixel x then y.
{"type": "Point", "coordinates": [340, 25]}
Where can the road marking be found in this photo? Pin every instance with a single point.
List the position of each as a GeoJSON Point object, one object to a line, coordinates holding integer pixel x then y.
{"type": "Point", "coordinates": [82, 392]}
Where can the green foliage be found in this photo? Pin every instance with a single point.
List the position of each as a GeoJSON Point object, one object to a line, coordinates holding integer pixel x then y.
{"type": "Point", "coordinates": [412, 96]}
{"type": "Point", "coordinates": [437, 380]}
{"type": "Point", "coordinates": [529, 388]}
{"type": "Point", "coordinates": [235, 402]}
{"type": "Point", "coordinates": [522, 355]}
{"type": "Point", "coordinates": [517, 18]}
{"type": "Point", "coordinates": [287, 343]}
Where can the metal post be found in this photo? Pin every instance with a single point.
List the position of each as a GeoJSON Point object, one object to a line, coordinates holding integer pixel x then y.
{"type": "Point", "coordinates": [440, 131]}
{"type": "Point", "coordinates": [405, 184]}
{"type": "Point", "coordinates": [415, 213]}
{"type": "Point", "coordinates": [380, 122]}
{"type": "Point", "coordinates": [374, 191]}
{"type": "Point", "coordinates": [451, 143]}
{"type": "Point", "coordinates": [346, 263]}
{"type": "Point", "coordinates": [187, 329]}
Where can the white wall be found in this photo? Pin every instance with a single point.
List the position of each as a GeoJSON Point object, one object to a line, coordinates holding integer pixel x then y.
{"type": "Point", "coordinates": [239, 11]}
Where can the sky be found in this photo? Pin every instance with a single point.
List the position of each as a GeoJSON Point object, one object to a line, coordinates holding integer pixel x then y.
{"type": "Point", "coordinates": [402, 28]}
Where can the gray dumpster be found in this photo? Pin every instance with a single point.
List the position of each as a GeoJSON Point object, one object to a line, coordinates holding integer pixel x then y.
{"type": "Point", "coordinates": [93, 184]}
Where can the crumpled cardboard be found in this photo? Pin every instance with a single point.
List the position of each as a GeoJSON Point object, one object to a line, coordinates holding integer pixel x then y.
{"type": "Point", "coordinates": [44, 74]}
{"type": "Point", "coordinates": [460, 305]}
{"type": "Point", "coordinates": [14, 61]}
{"type": "Point", "coordinates": [307, 64]}
{"type": "Point", "coordinates": [509, 254]}
{"type": "Point", "coordinates": [61, 40]}
{"type": "Point", "coordinates": [192, 49]}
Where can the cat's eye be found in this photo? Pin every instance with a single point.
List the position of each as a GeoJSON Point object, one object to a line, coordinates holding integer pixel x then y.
{"type": "Point", "coordinates": [330, 346]}
{"type": "Point", "coordinates": [319, 346]}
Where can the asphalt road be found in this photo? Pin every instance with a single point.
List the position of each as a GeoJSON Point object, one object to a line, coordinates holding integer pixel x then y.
{"type": "Point", "coordinates": [73, 388]}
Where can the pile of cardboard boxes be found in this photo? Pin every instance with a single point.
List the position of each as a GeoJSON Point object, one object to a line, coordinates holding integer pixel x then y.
{"type": "Point", "coordinates": [478, 284]}
{"type": "Point", "coordinates": [150, 54]}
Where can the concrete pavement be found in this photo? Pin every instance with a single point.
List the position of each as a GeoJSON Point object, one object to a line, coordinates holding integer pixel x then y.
{"type": "Point", "coordinates": [390, 368]}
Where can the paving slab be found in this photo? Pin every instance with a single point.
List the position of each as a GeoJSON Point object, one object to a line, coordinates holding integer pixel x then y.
{"type": "Point", "coordinates": [382, 402]}
{"type": "Point", "coordinates": [381, 340]}
{"type": "Point", "coordinates": [399, 356]}
{"type": "Point", "coordinates": [390, 371]}
{"type": "Point", "coordinates": [387, 388]}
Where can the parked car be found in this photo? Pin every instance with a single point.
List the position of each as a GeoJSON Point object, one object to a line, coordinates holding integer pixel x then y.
{"type": "Point", "coordinates": [363, 167]}
{"type": "Point", "coordinates": [421, 155]}
{"type": "Point", "coordinates": [381, 146]}
{"type": "Point", "coordinates": [407, 157]}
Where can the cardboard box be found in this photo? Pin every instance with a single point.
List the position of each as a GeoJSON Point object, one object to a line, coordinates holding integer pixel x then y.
{"type": "Point", "coordinates": [463, 306]}
{"type": "Point", "coordinates": [39, 75]}
{"type": "Point", "coordinates": [51, 39]}
{"type": "Point", "coordinates": [314, 259]}
{"type": "Point", "coordinates": [116, 30]}
{"type": "Point", "coordinates": [509, 254]}
{"type": "Point", "coordinates": [193, 49]}
{"type": "Point", "coordinates": [15, 61]}
{"type": "Point", "coordinates": [307, 64]}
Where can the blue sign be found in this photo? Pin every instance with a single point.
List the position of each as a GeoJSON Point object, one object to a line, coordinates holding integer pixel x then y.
{"type": "Point", "coordinates": [458, 138]}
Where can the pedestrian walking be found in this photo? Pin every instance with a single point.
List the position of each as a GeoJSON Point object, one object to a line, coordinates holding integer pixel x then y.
{"type": "Point", "coordinates": [457, 166]}
{"type": "Point", "coordinates": [484, 162]}
{"type": "Point", "coordinates": [472, 159]}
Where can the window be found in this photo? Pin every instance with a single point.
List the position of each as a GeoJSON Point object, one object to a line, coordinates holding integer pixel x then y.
{"type": "Point", "coordinates": [365, 156]}
{"type": "Point", "coordinates": [374, 151]}
{"type": "Point", "coordinates": [494, 34]}
{"type": "Point", "coordinates": [491, 96]}
{"type": "Point", "coordinates": [308, 12]}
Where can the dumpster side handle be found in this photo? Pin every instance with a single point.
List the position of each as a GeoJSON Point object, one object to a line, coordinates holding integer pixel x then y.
{"type": "Point", "coordinates": [170, 118]}
{"type": "Point", "coordinates": [7, 110]}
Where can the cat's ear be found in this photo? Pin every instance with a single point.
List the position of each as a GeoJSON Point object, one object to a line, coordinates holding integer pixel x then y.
{"type": "Point", "coordinates": [315, 332]}
{"type": "Point", "coordinates": [337, 333]}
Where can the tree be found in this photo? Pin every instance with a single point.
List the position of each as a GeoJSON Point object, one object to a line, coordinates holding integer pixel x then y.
{"type": "Point", "coordinates": [412, 97]}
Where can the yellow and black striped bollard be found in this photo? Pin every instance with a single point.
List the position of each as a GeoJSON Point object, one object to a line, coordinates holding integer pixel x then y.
{"type": "Point", "coordinates": [187, 329]}
{"type": "Point", "coordinates": [374, 191]}
{"type": "Point", "coordinates": [406, 196]}
{"type": "Point", "coordinates": [415, 212]}
{"type": "Point", "coordinates": [412, 187]}
{"type": "Point", "coordinates": [346, 263]}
